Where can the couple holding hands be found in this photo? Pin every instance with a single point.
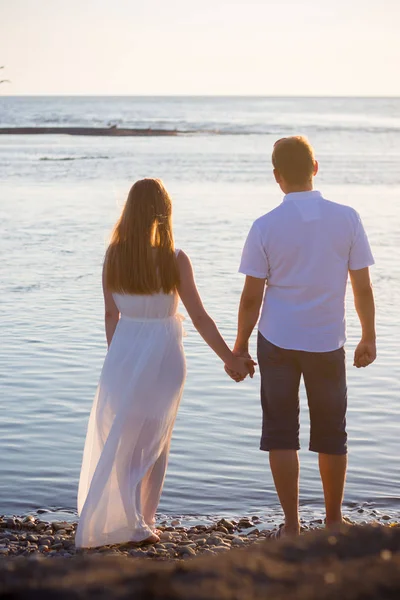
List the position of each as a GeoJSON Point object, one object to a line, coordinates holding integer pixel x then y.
{"type": "Point", "coordinates": [297, 259]}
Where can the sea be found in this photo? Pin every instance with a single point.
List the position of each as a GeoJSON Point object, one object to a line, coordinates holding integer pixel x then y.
{"type": "Point", "coordinates": [59, 198]}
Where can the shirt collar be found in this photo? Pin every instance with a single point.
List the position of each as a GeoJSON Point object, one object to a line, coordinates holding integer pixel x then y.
{"type": "Point", "coordinates": [309, 195]}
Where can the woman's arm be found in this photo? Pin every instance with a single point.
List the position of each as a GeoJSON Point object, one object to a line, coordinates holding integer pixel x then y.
{"type": "Point", "coordinates": [203, 322]}
{"type": "Point", "coordinates": [111, 312]}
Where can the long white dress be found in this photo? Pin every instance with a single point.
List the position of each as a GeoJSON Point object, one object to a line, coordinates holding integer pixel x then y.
{"type": "Point", "coordinates": [130, 426]}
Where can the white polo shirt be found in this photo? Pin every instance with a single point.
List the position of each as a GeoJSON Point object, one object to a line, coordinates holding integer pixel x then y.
{"type": "Point", "coordinates": [305, 248]}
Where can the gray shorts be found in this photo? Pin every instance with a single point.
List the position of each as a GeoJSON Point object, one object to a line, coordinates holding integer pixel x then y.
{"type": "Point", "coordinates": [324, 376]}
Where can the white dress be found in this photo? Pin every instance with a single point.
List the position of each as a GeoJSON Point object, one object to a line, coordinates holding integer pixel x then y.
{"type": "Point", "coordinates": [131, 422]}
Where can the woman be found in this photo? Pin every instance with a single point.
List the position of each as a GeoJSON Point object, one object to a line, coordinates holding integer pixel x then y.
{"type": "Point", "coordinates": [133, 414]}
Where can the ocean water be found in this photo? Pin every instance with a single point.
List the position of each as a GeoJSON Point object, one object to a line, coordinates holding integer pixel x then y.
{"type": "Point", "coordinates": [59, 198]}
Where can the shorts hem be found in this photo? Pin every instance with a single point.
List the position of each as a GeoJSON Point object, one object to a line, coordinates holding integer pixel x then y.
{"type": "Point", "coordinates": [268, 447]}
{"type": "Point", "coordinates": [333, 452]}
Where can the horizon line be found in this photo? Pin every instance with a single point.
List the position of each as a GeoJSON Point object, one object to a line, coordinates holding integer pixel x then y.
{"type": "Point", "coordinates": [271, 96]}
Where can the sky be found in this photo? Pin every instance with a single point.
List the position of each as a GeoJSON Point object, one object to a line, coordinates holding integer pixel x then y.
{"type": "Point", "coordinates": [201, 47]}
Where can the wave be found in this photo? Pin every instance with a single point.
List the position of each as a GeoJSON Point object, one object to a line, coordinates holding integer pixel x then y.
{"type": "Point", "coordinates": [277, 130]}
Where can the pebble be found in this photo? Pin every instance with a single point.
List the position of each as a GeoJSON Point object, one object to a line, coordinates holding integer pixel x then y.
{"type": "Point", "coordinates": [238, 542]}
{"type": "Point", "coordinates": [222, 529]}
{"type": "Point", "coordinates": [28, 519]}
{"type": "Point", "coordinates": [186, 550]}
{"type": "Point", "coordinates": [245, 523]}
{"type": "Point", "coordinates": [222, 548]}
{"type": "Point", "coordinates": [213, 541]}
{"type": "Point", "coordinates": [136, 553]}
{"type": "Point", "coordinates": [201, 542]}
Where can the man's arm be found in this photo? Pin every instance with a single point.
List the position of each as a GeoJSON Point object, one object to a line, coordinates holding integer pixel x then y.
{"type": "Point", "coordinates": [249, 311]}
{"type": "Point", "coordinates": [365, 353]}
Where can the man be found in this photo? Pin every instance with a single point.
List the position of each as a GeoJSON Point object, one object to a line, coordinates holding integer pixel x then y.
{"type": "Point", "coordinates": [301, 253]}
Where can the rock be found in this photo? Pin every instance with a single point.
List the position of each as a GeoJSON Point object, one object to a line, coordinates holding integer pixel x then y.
{"type": "Point", "coordinates": [227, 524]}
{"type": "Point", "coordinates": [385, 518]}
{"type": "Point", "coordinates": [237, 541]}
{"type": "Point", "coordinates": [57, 525]}
{"type": "Point", "coordinates": [32, 538]}
{"type": "Point", "coordinates": [182, 550]}
{"type": "Point", "coordinates": [168, 535]}
{"type": "Point", "coordinates": [45, 541]}
{"type": "Point", "coordinates": [4, 551]}
{"type": "Point", "coordinates": [222, 548]}
{"type": "Point", "coordinates": [43, 548]}
{"type": "Point", "coordinates": [214, 541]}
{"type": "Point", "coordinates": [175, 522]}
{"type": "Point", "coordinates": [222, 529]}
{"type": "Point", "coordinates": [136, 553]}
{"type": "Point", "coordinates": [244, 524]}
{"type": "Point", "coordinates": [12, 538]}
{"type": "Point", "coordinates": [11, 523]}
{"type": "Point", "coordinates": [57, 546]}
{"type": "Point", "coordinates": [169, 545]}
{"type": "Point", "coordinates": [28, 519]}
{"type": "Point", "coordinates": [201, 542]}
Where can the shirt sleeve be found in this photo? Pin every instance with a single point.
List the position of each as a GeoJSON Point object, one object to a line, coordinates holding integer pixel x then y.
{"type": "Point", "coordinates": [254, 260]}
{"type": "Point", "coordinates": [360, 251]}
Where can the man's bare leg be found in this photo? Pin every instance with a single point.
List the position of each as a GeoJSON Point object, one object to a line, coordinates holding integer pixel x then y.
{"type": "Point", "coordinates": [285, 471]}
{"type": "Point", "coordinates": [332, 468]}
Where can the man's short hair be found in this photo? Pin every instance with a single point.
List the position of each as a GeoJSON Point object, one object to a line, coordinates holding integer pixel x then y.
{"type": "Point", "coordinates": [293, 158]}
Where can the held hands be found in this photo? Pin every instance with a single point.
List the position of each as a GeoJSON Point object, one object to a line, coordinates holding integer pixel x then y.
{"type": "Point", "coordinates": [240, 366]}
{"type": "Point", "coordinates": [365, 353]}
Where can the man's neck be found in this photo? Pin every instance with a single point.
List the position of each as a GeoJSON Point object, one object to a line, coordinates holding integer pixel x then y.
{"type": "Point", "coordinates": [292, 189]}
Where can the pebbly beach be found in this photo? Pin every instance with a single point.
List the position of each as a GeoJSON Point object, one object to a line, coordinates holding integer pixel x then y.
{"type": "Point", "coordinates": [31, 535]}
{"type": "Point", "coordinates": [234, 560]}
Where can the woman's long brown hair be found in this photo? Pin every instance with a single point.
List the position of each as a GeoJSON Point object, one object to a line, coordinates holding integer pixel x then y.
{"type": "Point", "coordinates": [141, 256]}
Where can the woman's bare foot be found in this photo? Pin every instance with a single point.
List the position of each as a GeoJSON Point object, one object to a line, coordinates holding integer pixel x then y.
{"type": "Point", "coordinates": [152, 539]}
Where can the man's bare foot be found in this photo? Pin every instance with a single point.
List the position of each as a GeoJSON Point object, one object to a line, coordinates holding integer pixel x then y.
{"type": "Point", "coordinates": [284, 532]}
{"type": "Point", "coordinates": [335, 525]}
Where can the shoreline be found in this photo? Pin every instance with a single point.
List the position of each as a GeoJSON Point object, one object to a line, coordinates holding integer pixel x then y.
{"type": "Point", "coordinates": [32, 536]}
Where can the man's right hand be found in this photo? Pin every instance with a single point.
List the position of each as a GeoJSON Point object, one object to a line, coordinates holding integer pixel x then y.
{"type": "Point", "coordinates": [250, 363]}
{"type": "Point", "coordinates": [365, 353]}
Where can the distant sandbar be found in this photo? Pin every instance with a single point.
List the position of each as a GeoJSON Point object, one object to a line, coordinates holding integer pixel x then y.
{"type": "Point", "coordinates": [99, 131]}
